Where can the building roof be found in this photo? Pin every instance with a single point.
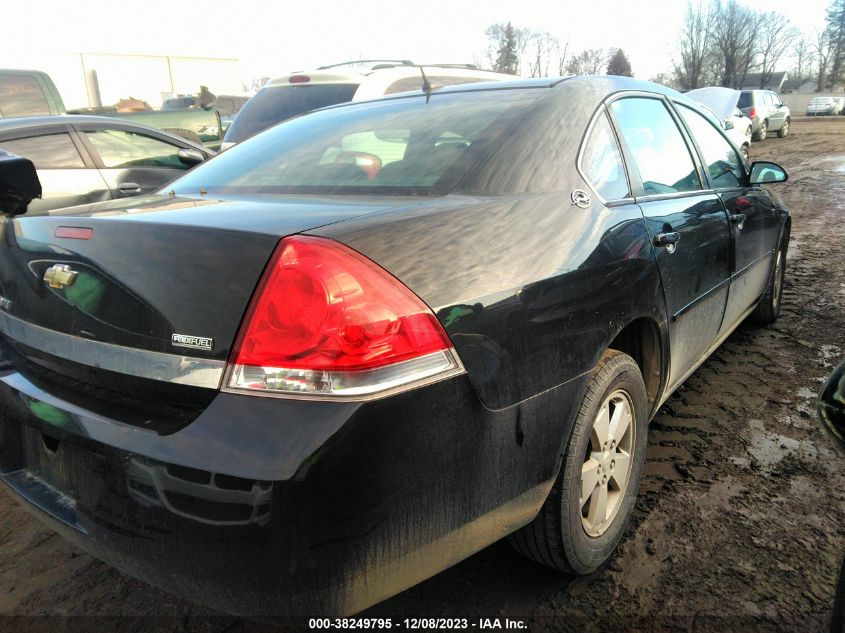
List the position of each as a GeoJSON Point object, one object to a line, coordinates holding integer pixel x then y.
{"type": "Point", "coordinates": [776, 81]}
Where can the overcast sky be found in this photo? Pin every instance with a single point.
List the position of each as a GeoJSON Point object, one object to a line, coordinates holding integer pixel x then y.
{"type": "Point", "coordinates": [271, 38]}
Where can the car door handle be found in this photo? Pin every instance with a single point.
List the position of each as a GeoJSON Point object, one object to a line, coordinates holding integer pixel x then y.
{"type": "Point", "coordinates": [667, 240]}
{"type": "Point", "coordinates": [738, 219]}
{"type": "Point", "coordinates": [129, 188]}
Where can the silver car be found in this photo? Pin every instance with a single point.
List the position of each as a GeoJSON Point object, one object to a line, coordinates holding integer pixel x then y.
{"type": "Point", "coordinates": [823, 106]}
{"type": "Point", "coordinates": [766, 111]}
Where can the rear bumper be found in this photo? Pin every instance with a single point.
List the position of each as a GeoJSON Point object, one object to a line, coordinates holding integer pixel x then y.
{"type": "Point", "coordinates": [277, 507]}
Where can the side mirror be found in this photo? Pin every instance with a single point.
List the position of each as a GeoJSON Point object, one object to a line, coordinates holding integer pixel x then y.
{"type": "Point", "coordinates": [831, 405]}
{"type": "Point", "coordinates": [729, 125]}
{"type": "Point", "coordinates": [190, 157]}
{"type": "Point", "coordinates": [19, 183]}
{"type": "Point", "coordinates": [763, 172]}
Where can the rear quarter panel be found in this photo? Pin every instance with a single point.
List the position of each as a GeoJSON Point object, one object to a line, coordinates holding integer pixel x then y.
{"type": "Point", "coordinates": [530, 288]}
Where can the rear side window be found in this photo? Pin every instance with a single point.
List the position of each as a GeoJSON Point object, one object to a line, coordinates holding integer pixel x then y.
{"type": "Point", "coordinates": [21, 95]}
{"type": "Point", "coordinates": [51, 151]}
{"type": "Point", "coordinates": [659, 151]}
{"type": "Point", "coordinates": [275, 104]}
{"type": "Point", "coordinates": [119, 148]}
{"type": "Point", "coordinates": [720, 158]}
{"type": "Point", "coordinates": [602, 162]}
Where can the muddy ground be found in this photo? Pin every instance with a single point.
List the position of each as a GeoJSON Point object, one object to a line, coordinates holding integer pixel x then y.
{"type": "Point", "coordinates": [739, 523]}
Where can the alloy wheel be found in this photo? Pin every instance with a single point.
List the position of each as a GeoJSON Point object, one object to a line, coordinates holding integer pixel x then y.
{"type": "Point", "coordinates": [607, 463]}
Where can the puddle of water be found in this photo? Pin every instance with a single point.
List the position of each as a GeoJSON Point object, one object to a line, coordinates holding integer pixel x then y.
{"type": "Point", "coordinates": [770, 448]}
{"type": "Point", "coordinates": [838, 159]}
{"type": "Point", "coordinates": [829, 354]}
{"type": "Point", "coordinates": [803, 392]}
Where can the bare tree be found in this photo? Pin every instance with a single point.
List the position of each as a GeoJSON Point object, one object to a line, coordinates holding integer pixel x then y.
{"type": "Point", "coordinates": [588, 62]}
{"type": "Point", "coordinates": [804, 57]}
{"type": "Point", "coordinates": [735, 38]}
{"type": "Point", "coordinates": [822, 51]}
{"type": "Point", "coordinates": [776, 36]}
{"type": "Point", "coordinates": [544, 54]}
{"type": "Point", "coordinates": [695, 42]}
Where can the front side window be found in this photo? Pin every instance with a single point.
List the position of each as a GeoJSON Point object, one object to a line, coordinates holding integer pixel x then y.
{"type": "Point", "coordinates": [415, 146]}
{"type": "Point", "coordinates": [119, 148]}
{"type": "Point", "coordinates": [602, 162]}
{"type": "Point", "coordinates": [659, 151]}
{"type": "Point", "coordinates": [51, 151]}
{"type": "Point", "coordinates": [720, 159]}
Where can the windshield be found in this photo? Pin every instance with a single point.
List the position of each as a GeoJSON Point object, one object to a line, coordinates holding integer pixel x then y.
{"type": "Point", "coordinates": [408, 146]}
{"type": "Point", "coordinates": [745, 100]}
{"type": "Point", "coordinates": [275, 104]}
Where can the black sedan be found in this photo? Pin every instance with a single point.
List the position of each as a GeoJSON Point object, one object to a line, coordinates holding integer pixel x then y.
{"type": "Point", "coordinates": [361, 346]}
{"type": "Point", "coordinates": [84, 159]}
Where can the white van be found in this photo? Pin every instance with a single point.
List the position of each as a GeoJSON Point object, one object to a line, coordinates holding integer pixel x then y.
{"type": "Point", "coordinates": [302, 91]}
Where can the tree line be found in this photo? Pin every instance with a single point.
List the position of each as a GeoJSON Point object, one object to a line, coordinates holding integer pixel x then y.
{"type": "Point", "coordinates": [518, 51]}
{"type": "Point", "coordinates": [721, 43]}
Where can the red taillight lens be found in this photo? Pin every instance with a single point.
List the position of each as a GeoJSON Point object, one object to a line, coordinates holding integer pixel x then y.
{"type": "Point", "coordinates": [326, 320]}
{"type": "Point", "coordinates": [299, 79]}
{"type": "Point", "coordinates": [752, 113]}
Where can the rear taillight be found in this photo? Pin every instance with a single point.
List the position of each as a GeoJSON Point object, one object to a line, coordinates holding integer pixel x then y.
{"type": "Point", "coordinates": [752, 113]}
{"type": "Point", "coordinates": [299, 79]}
{"type": "Point", "coordinates": [327, 321]}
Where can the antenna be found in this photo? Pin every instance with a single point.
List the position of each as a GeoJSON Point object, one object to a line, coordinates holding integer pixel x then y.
{"type": "Point", "coordinates": [426, 83]}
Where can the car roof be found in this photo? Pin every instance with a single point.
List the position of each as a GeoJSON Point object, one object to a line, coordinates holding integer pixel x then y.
{"type": "Point", "coordinates": [601, 84]}
{"type": "Point", "coordinates": [336, 74]}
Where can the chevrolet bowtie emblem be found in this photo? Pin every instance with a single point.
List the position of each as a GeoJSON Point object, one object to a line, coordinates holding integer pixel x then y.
{"type": "Point", "coordinates": [59, 276]}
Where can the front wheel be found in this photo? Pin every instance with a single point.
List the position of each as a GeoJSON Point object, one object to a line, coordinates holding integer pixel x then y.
{"type": "Point", "coordinates": [591, 501]}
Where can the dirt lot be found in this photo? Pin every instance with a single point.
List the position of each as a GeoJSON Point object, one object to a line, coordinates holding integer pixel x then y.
{"type": "Point", "coordinates": [739, 524]}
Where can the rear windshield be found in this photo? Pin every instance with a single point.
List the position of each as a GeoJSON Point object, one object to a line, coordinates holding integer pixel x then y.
{"type": "Point", "coordinates": [275, 104]}
{"type": "Point", "coordinates": [407, 146]}
{"type": "Point", "coordinates": [21, 95]}
{"type": "Point", "coordinates": [745, 100]}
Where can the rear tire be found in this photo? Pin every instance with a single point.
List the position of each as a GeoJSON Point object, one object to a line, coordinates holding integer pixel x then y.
{"type": "Point", "coordinates": [784, 131]}
{"type": "Point", "coordinates": [762, 132]}
{"type": "Point", "coordinates": [768, 310]}
{"type": "Point", "coordinates": [591, 501]}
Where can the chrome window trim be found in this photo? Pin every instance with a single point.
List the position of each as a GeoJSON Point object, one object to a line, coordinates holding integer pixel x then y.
{"type": "Point", "coordinates": [184, 370]}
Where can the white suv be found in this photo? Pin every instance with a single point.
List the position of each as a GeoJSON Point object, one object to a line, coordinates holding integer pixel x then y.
{"type": "Point", "coordinates": [302, 91]}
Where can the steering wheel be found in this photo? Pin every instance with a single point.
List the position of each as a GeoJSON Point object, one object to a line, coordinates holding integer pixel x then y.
{"type": "Point", "coordinates": [370, 164]}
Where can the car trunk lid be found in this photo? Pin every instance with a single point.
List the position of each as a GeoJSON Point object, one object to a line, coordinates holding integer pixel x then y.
{"type": "Point", "coordinates": [144, 295]}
